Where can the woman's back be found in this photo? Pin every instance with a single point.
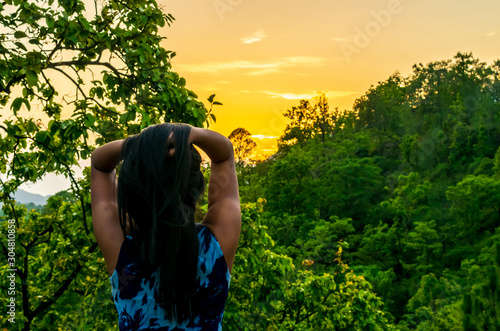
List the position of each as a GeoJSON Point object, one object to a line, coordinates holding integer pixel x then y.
{"type": "Point", "coordinates": [135, 290]}
{"type": "Point", "coordinates": [162, 268]}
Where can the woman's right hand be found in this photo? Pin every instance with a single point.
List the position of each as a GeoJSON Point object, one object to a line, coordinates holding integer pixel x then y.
{"type": "Point", "coordinates": [218, 147]}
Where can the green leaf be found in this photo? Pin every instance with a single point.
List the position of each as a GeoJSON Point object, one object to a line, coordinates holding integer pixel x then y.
{"type": "Point", "coordinates": [20, 45]}
{"type": "Point", "coordinates": [89, 120]}
{"type": "Point", "coordinates": [211, 98]}
{"type": "Point", "coordinates": [50, 21]}
{"type": "Point", "coordinates": [84, 22]}
{"type": "Point", "coordinates": [217, 103]}
{"type": "Point", "coordinates": [41, 136]}
{"type": "Point", "coordinates": [53, 127]}
{"type": "Point", "coordinates": [123, 118]}
{"type": "Point", "coordinates": [31, 78]}
{"type": "Point", "coordinates": [145, 120]}
{"type": "Point", "coordinates": [19, 34]}
{"type": "Point", "coordinates": [42, 158]}
{"type": "Point", "coordinates": [16, 105]}
{"type": "Point", "coordinates": [27, 103]}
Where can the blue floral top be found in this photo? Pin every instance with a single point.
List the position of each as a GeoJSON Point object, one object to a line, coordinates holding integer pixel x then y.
{"type": "Point", "coordinates": [136, 294]}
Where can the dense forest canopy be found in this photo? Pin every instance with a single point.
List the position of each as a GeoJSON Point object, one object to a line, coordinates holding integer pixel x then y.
{"type": "Point", "coordinates": [383, 217]}
{"type": "Point", "coordinates": [409, 181]}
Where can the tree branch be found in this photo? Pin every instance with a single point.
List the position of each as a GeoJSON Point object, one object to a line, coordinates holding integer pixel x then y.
{"type": "Point", "coordinates": [33, 242]}
{"type": "Point", "coordinates": [12, 82]}
{"type": "Point", "coordinates": [73, 182]}
{"type": "Point", "coordinates": [83, 93]}
{"type": "Point", "coordinates": [86, 63]}
{"type": "Point", "coordinates": [46, 304]}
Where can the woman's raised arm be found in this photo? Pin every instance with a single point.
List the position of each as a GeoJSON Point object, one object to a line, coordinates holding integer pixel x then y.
{"type": "Point", "coordinates": [107, 229]}
{"type": "Point", "coordinates": [223, 217]}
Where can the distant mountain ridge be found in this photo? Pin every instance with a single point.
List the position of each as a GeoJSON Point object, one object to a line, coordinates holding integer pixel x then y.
{"type": "Point", "coordinates": [25, 197]}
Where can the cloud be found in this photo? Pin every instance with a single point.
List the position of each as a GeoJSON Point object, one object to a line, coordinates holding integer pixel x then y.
{"type": "Point", "coordinates": [261, 136]}
{"type": "Point", "coordinates": [307, 96]}
{"type": "Point", "coordinates": [264, 72]}
{"type": "Point", "coordinates": [491, 34]}
{"type": "Point", "coordinates": [290, 96]}
{"type": "Point", "coordinates": [254, 37]}
{"type": "Point", "coordinates": [254, 67]}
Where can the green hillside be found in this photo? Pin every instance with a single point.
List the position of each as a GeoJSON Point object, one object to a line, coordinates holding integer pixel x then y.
{"type": "Point", "coordinates": [408, 182]}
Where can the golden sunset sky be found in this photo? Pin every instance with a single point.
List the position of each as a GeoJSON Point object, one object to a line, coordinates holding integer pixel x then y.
{"type": "Point", "coordinates": [261, 57]}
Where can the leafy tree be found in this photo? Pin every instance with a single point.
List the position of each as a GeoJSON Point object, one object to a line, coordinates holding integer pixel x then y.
{"type": "Point", "coordinates": [425, 242]}
{"type": "Point", "coordinates": [268, 291]}
{"type": "Point", "coordinates": [480, 301]}
{"type": "Point", "coordinates": [435, 305]}
{"type": "Point", "coordinates": [134, 88]}
{"type": "Point", "coordinates": [321, 245]}
{"type": "Point", "coordinates": [350, 189]}
{"type": "Point", "coordinates": [292, 174]}
{"type": "Point", "coordinates": [308, 121]}
{"type": "Point", "coordinates": [57, 268]}
{"type": "Point", "coordinates": [380, 247]}
{"type": "Point", "coordinates": [379, 256]}
{"type": "Point", "coordinates": [408, 203]}
{"type": "Point", "coordinates": [475, 212]}
{"type": "Point", "coordinates": [380, 108]}
{"type": "Point", "coordinates": [93, 74]}
{"type": "Point", "coordinates": [243, 144]}
{"type": "Point", "coordinates": [415, 166]}
{"type": "Point", "coordinates": [326, 179]}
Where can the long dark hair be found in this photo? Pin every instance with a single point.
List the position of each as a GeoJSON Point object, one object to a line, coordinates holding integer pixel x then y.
{"type": "Point", "coordinates": [158, 193]}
